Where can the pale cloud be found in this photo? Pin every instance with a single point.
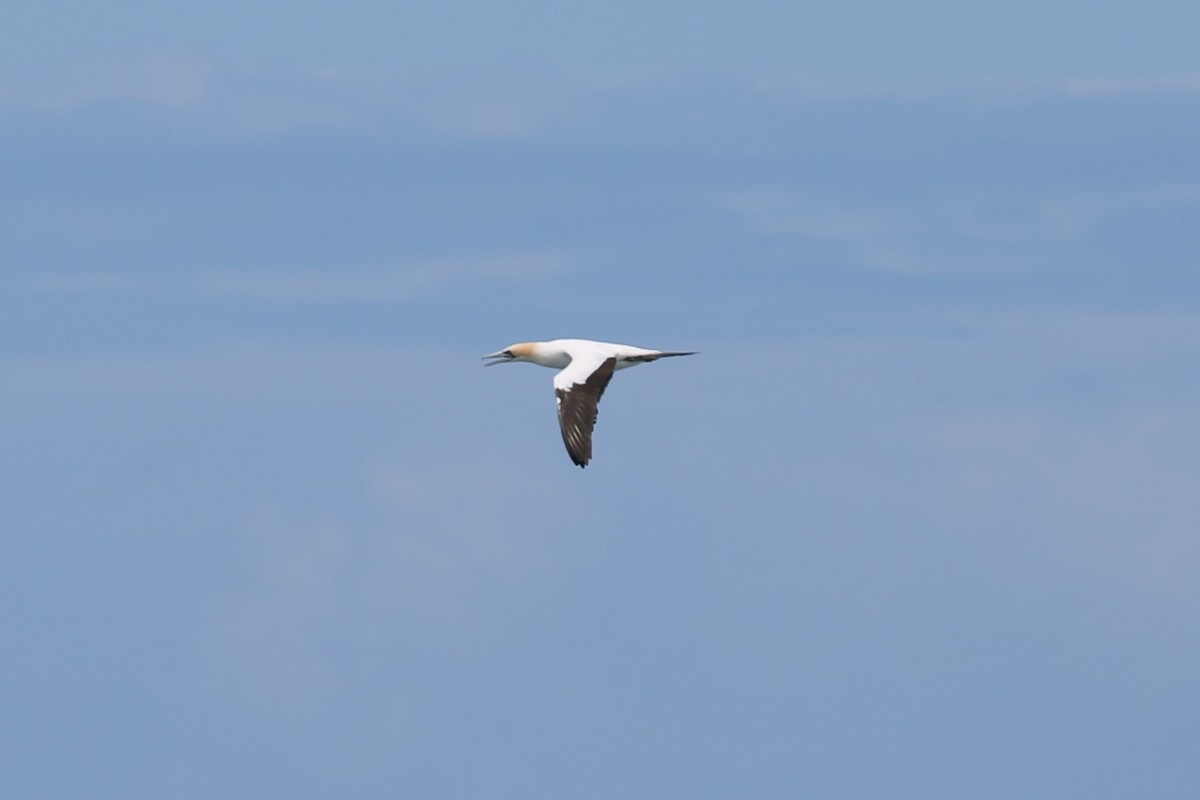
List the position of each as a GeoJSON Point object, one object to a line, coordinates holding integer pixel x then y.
{"type": "Point", "coordinates": [1075, 214]}
{"type": "Point", "coordinates": [1076, 445]}
{"type": "Point", "coordinates": [451, 540]}
{"type": "Point", "coordinates": [983, 447]}
{"type": "Point", "coordinates": [886, 238]}
{"type": "Point", "coordinates": [405, 282]}
{"type": "Point", "coordinates": [991, 92]}
{"type": "Point", "coordinates": [1062, 445]}
{"type": "Point", "coordinates": [497, 107]}
{"type": "Point", "coordinates": [1170, 84]}
{"type": "Point", "coordinates": [167, 82]}
{"type": "Point", "coordinates": [91, 282]}
{"type": "Point", "coordinates": [271, 638]}
{"type": "Point", "coordinates": [996, 232]}
{"type": "Point", "coordinates": [1108, 497]}
{"type": "Point", "coordinates": [508, 105]}
{"type": "Point", "coordinates": [241, 369]}
{"type": "Point", "coordinates": [511, 104]}
{"type": "Point", "coordinates": [424, 557]}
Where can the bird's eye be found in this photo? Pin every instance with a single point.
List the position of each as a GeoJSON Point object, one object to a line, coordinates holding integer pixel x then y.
{"type": "Point", "coordinates": [508, 353]}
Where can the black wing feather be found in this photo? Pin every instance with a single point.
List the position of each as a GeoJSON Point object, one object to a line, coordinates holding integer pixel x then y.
{"type": "Point", "coordinates": [578, 408]}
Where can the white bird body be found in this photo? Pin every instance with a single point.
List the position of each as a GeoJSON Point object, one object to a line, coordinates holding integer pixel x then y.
{"type": "Point", "coordinates": [585, 367]}
{"type": "Point", "coordinates": [558, 353]}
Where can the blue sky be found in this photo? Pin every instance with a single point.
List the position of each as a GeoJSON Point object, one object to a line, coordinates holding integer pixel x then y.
{"type": "Point", "coordinates": [920, 520]}
{"type": "Point", "coordinates": [868, 39]}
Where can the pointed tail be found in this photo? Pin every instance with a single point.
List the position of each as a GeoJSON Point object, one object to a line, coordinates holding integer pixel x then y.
{"type": "Point", "coordinates": [652, 357]}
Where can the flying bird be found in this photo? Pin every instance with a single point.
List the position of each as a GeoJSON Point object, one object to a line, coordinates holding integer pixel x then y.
{"type": "Point", "coordinates": [585, 367]}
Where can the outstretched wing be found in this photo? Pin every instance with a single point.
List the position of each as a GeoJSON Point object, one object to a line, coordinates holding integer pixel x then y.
{"type": "Point", "coordinates": [578, 389]}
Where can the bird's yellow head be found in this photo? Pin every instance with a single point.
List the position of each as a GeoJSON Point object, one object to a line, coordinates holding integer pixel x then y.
{"type": "Point", "coordinates": [522, 351]}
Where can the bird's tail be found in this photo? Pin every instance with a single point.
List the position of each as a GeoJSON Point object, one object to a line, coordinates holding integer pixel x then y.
{"type": "Point", "coordinates": [648, 357]}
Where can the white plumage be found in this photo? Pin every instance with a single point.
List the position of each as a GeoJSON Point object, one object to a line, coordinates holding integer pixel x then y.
{"type": "Point", "coordinates": [585, 367]}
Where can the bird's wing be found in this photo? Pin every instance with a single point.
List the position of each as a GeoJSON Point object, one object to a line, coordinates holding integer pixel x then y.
{"type": "Point", "coordinates": [578, 388]}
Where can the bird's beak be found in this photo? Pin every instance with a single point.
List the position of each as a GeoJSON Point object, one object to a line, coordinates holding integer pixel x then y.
{"type": "Point", "coordinates": [501, 358]}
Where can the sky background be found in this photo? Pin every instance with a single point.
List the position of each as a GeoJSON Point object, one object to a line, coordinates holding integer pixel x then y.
{"type": "Point", "coordinates": [921, 520]}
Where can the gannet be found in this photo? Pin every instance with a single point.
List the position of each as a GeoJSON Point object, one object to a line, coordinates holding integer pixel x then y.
{"type": "Point", "coordinates": [585, 367]}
